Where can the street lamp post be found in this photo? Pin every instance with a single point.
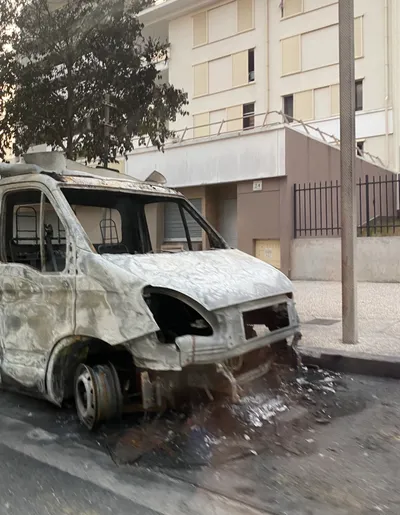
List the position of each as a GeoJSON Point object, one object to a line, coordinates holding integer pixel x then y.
{"type": "Point", "coordinates": [347, 170]}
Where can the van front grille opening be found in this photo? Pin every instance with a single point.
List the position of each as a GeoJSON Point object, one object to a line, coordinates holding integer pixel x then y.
{"type": "Point", "coordinates": [263, 321]}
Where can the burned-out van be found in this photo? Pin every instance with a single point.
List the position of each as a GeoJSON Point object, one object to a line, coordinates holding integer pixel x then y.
{"type": "Point", "coordinates": [95, 304]}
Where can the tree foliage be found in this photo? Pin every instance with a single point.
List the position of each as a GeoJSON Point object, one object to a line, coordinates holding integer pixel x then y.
{"type": "Point", "coordinates": [58, 59]}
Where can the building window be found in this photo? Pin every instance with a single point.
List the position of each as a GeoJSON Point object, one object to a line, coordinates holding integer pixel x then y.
{"type": "Point", "coordinates": [174, 230]}
{"type": "Point", "coordinates": [291, 55]}
{"type": "Point", "coordinates": [200, 29]}
{"type": "Point", "coordinates": [248, 116]}
{"type": "Point", "coordinates": [245, 15]}
{"type": "Point", "coordinates": [288, 106]}
{"type": "Point", "coordinates": [250, 60]}
{"type": "Point", "coordinates": [360, 148]}
{"type": "Point", "coordinates": [201, 125]}
{"type": "Point", "coordinates": [200, 79]}
{"type": "Point", "coordinates": [291, 7]}
{"type": "Point", "coordinates": [359, 95]}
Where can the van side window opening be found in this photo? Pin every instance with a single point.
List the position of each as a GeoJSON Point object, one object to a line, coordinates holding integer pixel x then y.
{"type": "Point", "coordinates": [123, 223]}
{"type": "Point", "coordinates": [33, 233]}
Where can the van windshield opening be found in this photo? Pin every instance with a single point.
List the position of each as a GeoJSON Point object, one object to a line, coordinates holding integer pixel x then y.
{"type": "Point", "coordinates": [129, 223]}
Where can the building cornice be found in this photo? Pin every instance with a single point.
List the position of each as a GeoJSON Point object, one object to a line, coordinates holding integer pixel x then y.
{"type": "Point", "coordinates": [165, 10]}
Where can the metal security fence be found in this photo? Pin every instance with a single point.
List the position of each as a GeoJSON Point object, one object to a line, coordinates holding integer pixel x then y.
{"type": "Point", "coordinates": [317, 207]}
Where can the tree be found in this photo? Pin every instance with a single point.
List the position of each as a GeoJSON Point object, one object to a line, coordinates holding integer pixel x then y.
{"type": "Point", "coordinates": [57, 64]}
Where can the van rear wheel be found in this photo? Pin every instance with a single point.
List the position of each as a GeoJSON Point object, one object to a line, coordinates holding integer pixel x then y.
{"type": "Point", "coordinates": [98, 396]}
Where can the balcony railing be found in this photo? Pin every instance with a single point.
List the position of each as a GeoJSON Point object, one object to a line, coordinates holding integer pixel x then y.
{"type": "Point", "coordinates": [256, 122]}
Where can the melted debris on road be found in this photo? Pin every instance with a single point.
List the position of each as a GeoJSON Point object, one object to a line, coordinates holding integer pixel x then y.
{"type": "Point", "coordinates": [208, 433]}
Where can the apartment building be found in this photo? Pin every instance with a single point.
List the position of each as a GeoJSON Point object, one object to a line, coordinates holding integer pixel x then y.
{"type": "Point", "coordinates": [252, 56]}
{"type": "Point", "coordinates": [245, 62]}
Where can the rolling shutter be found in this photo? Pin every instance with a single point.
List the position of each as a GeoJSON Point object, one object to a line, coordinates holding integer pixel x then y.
{"type": "Point", "coordinates": [173, 226]}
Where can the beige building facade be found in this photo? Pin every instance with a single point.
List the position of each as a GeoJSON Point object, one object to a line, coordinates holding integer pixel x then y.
{"type": "Point", "coordinates": [262, 78]}
{"type": "Point", "coordinates": [237, 57]}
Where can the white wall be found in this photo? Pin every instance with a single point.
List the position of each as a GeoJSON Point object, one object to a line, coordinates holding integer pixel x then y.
{"type": "Point", "coordinates": [226, 158]}
{"type": "Point", "coordinates": [370, 127]}
{"type": "Point", "coordinates": [319, 259]}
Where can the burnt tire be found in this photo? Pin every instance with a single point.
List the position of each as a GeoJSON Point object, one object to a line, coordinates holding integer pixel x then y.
{"type": "Point", "coordinates": [97, 393]}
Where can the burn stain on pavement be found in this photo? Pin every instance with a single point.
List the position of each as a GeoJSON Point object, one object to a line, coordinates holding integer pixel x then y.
{"type": "Point", "coordinates": [335, 450]}
{"type": "Point", "coordinates": [266, 420]}
{"type": "Point", "coordinates": [269, 419]}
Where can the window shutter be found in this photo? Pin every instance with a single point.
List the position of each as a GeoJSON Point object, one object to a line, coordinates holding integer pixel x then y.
{"type": "Point", "coordinates": [173, 225]}
{"type": "Point", "coordinates": [201, 125]}
{"type": "Point", "coordinates": [240, 67]}
{"type": "Point", "coordinates": [235, 118]}
{"type": "Point", "coordinates": [200, 79]}
{"type": "Point", "coordinates": [290, 48]}
{"type": "Point", "coordinates": [292, 7]}
{"type": "Point", "coordinates": [200, 29]}
{"type": "Point", "coordinates": [303, 105]}
{"type": "Point", "coordinates": [322, 103]}
{"type": "Point", "coordinates": [335, 99]}
{"type": "Point", "coordinates": [244, 15]}
{"type": "Point", "coordinates": [358, 37]}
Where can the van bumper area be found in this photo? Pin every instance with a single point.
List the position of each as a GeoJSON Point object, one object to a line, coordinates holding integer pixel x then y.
{"type": "Point", "coordinates": [241, 347]}
{"type": "Point", "coordinates": [227, 376]}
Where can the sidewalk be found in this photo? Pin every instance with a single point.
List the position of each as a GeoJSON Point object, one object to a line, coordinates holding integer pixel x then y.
{"type": "Point", "coordinates": [320, 310]}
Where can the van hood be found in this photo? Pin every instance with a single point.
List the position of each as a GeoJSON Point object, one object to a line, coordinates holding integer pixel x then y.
{"type": "Point", "coordinates": [215, 278]}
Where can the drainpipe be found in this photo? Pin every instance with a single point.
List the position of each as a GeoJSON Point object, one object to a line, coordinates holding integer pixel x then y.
{"type": "Point", "coordinates": [386, 61]}
{"type": "Point", "coordinates": [267, 12]}
{"type": "Point", "coordinates": [395, 82]}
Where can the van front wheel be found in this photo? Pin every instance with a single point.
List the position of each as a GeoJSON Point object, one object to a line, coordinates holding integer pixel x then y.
{"type": "Point", "coordinates": [97, 392]}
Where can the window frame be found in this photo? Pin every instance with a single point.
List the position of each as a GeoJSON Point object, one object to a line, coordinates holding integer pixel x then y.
{"type": "Point", "coordinates": [215, 239]}
{"type": "Point", "coordinates": [360, 144]}
{"type": "Point", "coordinates": [285, 16]}
{"type": "Point", "coordinates": [284, 99]}
{"type": "Point", "coordinates": [201, 13]}
{"type": "Point", "coordinates": [359, 95]}
{"type": "Point", "coordinates": [249, 116]}
{"type": "Point", "coordinates": [44, 193]}
{"type": "Point", "coordinates": [251, 60]}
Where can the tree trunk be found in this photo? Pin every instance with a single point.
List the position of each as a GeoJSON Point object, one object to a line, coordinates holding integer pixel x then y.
{"type": "Point", "coordinates": [70, 116]}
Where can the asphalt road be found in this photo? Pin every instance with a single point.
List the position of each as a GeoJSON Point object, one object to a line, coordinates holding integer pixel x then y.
{"type": "Point", "coordinates": [347, 465]}
{"type": "Point", "coordinates": [51, 465]}
{"type": "Point", "coordinates": [28, 486]}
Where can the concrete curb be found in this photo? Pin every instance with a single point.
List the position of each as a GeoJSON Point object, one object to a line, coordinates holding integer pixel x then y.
{"type": "Point", "coordinates": [351, 362]}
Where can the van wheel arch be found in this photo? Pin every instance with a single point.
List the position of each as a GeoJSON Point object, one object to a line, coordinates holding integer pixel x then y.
{"type": "Point", "coordinates": [68, 354]}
